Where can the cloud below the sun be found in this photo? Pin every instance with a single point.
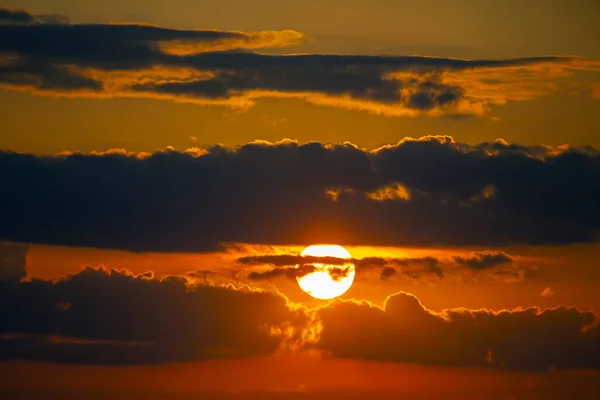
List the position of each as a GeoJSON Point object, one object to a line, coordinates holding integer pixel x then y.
{"type": "Point", "coordinates": [49, 55]}
{"type": "Point", "coordinates": [150, 320]}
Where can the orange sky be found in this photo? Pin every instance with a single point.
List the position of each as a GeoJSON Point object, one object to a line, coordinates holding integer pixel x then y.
{"type": "Point", "coordinates": [451, 147]}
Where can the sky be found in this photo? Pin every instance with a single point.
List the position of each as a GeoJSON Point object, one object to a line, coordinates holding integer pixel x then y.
{"type": "Point", "coordinates": [164, 166]}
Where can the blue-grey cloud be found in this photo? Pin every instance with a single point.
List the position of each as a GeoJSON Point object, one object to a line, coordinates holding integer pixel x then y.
{"type": "Point", "coordinates": [277, 193]}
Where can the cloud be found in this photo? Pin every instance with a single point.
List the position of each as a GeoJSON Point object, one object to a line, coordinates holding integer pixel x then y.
{"type": "Point", "coordinates": [13, 262]}
{"type": "Point", "coordinates": [218, 68]}
{"type": "Point", "coordinates": [547, 293]}
{"type": "Point", "coordinates": [484, 260]}
{"type": "Point", "coordinates": [275, 193]}
{"type": "Point", "coordinates": [387, 273]}
{"type": "Point", "coordinates": [492, 265]}
{"type": "Point", "coordinates": [290, 273]}
{"type": "Point", "coordinates": [24, 17]}
{"type": "Point", "coordinates": [101, 316]}
{"type": "Point", "coordinates": [405, 331]}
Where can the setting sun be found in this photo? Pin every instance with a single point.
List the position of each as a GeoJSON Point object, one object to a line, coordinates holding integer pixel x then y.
{"type": "Point", "coordinates": [328, 280]}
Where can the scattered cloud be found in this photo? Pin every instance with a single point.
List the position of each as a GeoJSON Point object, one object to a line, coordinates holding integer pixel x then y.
{"type": "Point", "coordinates": [547, 293]}
{"type": "Point", "coordinates": [50, 56]}
{"type": "Point", "coordinates": [484, 260]}
{"type": "Point", "coordinates": [387, 273]}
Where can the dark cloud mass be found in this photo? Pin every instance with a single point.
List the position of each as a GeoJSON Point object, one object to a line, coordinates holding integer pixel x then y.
{"type": "Point", "coordinates": [277, 194]}
{"type": "Point", "coordinates": [13, 260]}
{"type": "Point", "coordinates": [49, 55]}
{"type": "Point", "coordinates": [103, 316]}
{"type": "Point", "coordinates": [100, 316]}
{"type": "Point", "coordinates": [405, 331]}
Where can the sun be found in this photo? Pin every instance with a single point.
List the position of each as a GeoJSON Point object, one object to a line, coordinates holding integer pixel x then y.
{"type": "Point", "coordinates": [326, 281]}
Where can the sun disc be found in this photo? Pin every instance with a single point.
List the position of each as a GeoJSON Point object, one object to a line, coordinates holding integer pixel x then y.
{"type": "Point", "coordinates": [328, 280]}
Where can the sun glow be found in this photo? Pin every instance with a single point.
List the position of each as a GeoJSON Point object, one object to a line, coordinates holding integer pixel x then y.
{"type": "Point", "coordinates": [328, 280]}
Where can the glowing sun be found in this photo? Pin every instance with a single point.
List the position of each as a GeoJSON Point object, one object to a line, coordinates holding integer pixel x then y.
{"type": "Point", "coordinates": [326, 281]}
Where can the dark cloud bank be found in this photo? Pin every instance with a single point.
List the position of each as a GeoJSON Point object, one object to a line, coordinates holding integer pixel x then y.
{"type": "Point", "coordinates": [101, 316]}
{"type": "Point", "coordinates": [281, 194]}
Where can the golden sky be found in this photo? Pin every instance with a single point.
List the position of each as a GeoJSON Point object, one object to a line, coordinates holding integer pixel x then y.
{"type": "Point", "coordinates": [164, 164]}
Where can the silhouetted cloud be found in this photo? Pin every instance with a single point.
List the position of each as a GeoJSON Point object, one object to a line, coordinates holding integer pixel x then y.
{"type": "Point", "coordinates": [387, 273]}
{"type": "Point", "coordinates": [404, 331]}
{"type": "Point", "coordinates": [290, 273]}
{"type": "Point", "coordinates": [48, 55]}
{"type": "Point", "coordinates": [101, 316]}
{"type": "Point", "coordinates": [484, 260]}
{"type": "Point", "coordinates": [276, 194]}
{"type": "Point", "coordinates": [13, 262]}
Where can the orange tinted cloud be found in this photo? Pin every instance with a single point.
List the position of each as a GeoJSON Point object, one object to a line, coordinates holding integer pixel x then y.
{"type": "Point", "coordinates": [147, 320]}
{"type": "Point", "coordinates": [405, 331]}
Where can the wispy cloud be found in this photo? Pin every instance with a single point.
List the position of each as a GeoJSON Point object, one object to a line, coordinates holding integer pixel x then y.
{"type": "Point", "coordinates": [50, 56]}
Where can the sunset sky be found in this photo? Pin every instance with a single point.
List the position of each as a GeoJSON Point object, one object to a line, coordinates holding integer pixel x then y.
{"type": "Point", "coordinates": [165, 164]}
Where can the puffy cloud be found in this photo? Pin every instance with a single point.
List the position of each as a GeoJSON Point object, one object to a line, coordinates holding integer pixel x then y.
{"type": "Point", "coordinates": [101, 316]}
{"type": "Point", "coordinates": [405, 331]}
{"type": "Point", "coordinates": [13, 262]}
{"type": "Point", "coordinates": [104, 316]}
{"type": "Point", "coordinates": [206, 67]}
{"type": "Point", "coordinates": [276, 194]}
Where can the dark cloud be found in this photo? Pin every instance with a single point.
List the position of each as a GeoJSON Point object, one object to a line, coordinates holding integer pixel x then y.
{"type": "Point", "coordinates": [15, 16]}
{"type": "Point", "coordinates": [101, 316]}
{"type": "Point", "coordinates": [338, 273]}
{"type": "Point", "coordinates": [290, 273]}
{"type": "Point", "coordinates": [484, 260]}
{"type": "Point", "coordinates": [207, 67]}
{"type": "Point", "coordinates": [113, 317]}
{"type": "Point", "coordinates": [282, 260]}
{"type": "Point", "coordinates": [23, 17]}
{"type": "Point", "coordinates": [404, 331]}
{"type": "Point", "coordinates": [276, 194]}
{"type": "Point", "coordinates": [13, 260]}
{"type": "Point", "coordinates": [387, 273]}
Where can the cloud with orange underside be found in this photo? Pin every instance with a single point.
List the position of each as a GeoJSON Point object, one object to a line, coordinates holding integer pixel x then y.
{"type": "Point", "coordinates": [216, 67]}
{"type": "Point", "coordinates": [150, 320]}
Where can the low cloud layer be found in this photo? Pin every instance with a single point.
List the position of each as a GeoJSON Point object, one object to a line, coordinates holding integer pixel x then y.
{"type": "Point", "coordinates": [405, 331]}
{"type": "Point", "coordinates": [101, 316]}
{"type": "Point", "coordinates": [51, 56]}
{"type": "Point", "coordinates": [278, 194]}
